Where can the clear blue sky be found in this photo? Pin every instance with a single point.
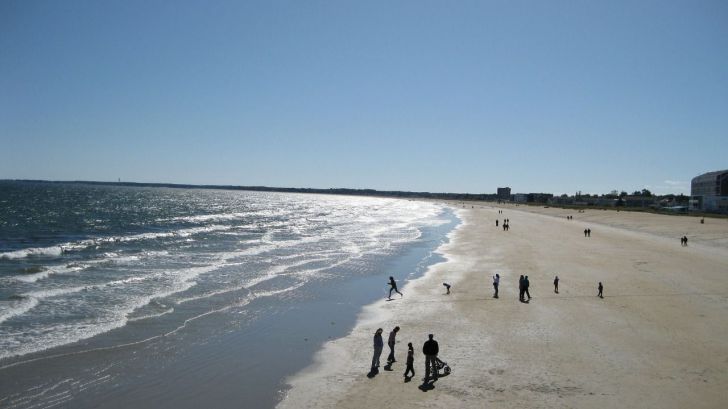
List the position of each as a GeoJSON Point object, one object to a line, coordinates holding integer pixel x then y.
{"type": "Point", "coordinates": [553, 96]}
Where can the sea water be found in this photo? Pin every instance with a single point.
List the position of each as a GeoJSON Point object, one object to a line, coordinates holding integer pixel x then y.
{"type": "Point", "coordinates": [212, 296]}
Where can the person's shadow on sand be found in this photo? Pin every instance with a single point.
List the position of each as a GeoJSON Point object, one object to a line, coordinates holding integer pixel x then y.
{"type": "Point", "coordinates": [427, 385]}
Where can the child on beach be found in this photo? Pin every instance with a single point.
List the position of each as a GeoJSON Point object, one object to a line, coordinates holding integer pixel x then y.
{"type": "Point", "coordinates": [391, 342]}
{"type": "Point", "coordinates": [410, 362]}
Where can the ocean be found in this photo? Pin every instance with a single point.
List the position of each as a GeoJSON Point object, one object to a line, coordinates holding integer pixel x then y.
{"type": "Point", "coordinates": [114, 296]}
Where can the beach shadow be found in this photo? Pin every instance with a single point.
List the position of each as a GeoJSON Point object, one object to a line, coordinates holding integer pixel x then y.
{"type": "Point", "coordinates": [427, 385]}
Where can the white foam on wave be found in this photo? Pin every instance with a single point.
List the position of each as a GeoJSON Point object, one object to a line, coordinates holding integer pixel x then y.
{"type": "Point", "coordinates": [13, 308]}
{"type": "Point", "coordinates": [155, 315]}
{"type": "Point", "coordinates": [56, 251]}
{"type": "Point", "coordinates": [48, 271]}
{"type": "Point", "coordinates": [52, 251]}
{"type": "Point", "coordinates": [65, 333]}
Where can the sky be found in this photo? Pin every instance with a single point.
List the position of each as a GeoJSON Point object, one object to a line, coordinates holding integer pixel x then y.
{"type": "Point", "coordinates": [464, 96]}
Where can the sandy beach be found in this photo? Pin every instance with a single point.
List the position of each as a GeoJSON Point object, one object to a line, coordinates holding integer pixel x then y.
{"type": "Point", "coordinates": [658, 338]}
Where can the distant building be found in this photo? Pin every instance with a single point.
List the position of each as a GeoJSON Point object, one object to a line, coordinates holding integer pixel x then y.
{"type": "Point", "coordinates": [520, 198]}
{"type": "Point", "coordinates": [504, 193]}
{"type": "Point", "coordinates": [539, 197]}
{"type": "Point", "coordinates": [709, 192]}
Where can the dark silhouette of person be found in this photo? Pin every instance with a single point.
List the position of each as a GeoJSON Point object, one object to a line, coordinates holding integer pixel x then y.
{"type": "Point", "coordinates": [505, 226]}
{"type": "Point", "coordinates": [390, 342]}
{"type": "Point", "coordinates": [584, 232]}
{"type": "Point", "coordinates": [526, 284]}
{"type": "Point", "coordinates": [556, 284]}
{"type": "Point", "coordinates": [601, 289]}
{"type": "Point", "coordinates": [496, 283]}
{"type": "Point", "coordinates": [393, 287]}
{"type": "Point", "coordinates": [378, 346]}
{"type": "Point", "coordinates": [410, 362]}
{"type": "Point", "coordinates": [588, 232]}
{"type": "Point", "coordinates": [430, 349]}
{"type": "Point", "coordinates": [447, 286]}
{"type": "Point", "coordinates": [521, 288]}
{"type": "Point", "coordinates": [496, 223]}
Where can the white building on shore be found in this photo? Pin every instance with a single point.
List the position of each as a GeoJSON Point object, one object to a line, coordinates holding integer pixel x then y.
{"type": "Point", "coordinates": [709, 192]}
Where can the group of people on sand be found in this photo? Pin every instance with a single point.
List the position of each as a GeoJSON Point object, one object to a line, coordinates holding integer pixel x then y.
{"type": "Point", "coordinates": [587, 232]}
{"type": "Point", "coordinates": [524, 284]}
{"type": "Point", "coordinates": [430, 349]}
{"type": "Point", "coordinates": [684, 241]}
{"type": "Point", "coordinates": [569, 217]}
{"type": "Point", "coordinates": [506, 224]}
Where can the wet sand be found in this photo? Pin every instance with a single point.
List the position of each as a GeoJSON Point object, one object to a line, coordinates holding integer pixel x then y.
{"type": "Point", "coordinates": [659, 337]}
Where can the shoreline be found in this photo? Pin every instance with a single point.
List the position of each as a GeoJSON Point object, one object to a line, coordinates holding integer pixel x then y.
{"type": "Point", "coordinates": [658, 329]}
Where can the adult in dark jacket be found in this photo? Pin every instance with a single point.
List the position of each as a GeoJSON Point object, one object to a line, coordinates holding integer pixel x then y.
{"type": "Point", "coordinates": [430, 349]}
{"type": "Point", "coordinates": [526, 284]}
{"type": "Point", "coordinates": [378, 346]}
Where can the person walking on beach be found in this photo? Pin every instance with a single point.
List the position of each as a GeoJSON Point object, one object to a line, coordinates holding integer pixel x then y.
{"type": "Point", "coordinates": [601, 289]}
{"type": "Point", "coordinates": [447, 287]}
{"type": "Point", "coordinates": [496, 222]}
{"type": "Point", "coordinates": [393, 287]}
{"type": "Point", "coordinates": [410, 362]}
{"type": "Point", "coordinates": [378, 346]}
{"type": "Point", "coordinates": [584, 232]}
{"type": "Point", "coordinates": [526, 284]}
{"type": "Point", "coordinates": [430, 349]}
{"type": "Point", "coordinates": [556, 284]}
{"type": "Point", "coordinates": [588, 232]}
{"type": "Point", "coordinates": [521, 288]}
{"type": "Point", "coordinates": [390, 342]}
{"type": "Point", "coordinates": [496, 282]}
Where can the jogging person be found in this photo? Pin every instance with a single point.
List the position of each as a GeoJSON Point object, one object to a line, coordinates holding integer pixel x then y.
{"type": "Point", "coordinates": [393, 287]}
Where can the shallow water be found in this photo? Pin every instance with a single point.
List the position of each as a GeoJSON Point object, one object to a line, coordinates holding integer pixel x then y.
{"type": "Point", "coordinates": [180, 297]}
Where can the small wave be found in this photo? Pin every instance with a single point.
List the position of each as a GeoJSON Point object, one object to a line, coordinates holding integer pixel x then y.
{"type": "Point", "coordinates": [206, 218]}
{"type": "Point", "coordinates": [17, 305]}
{"type": "Point", "coordinates": [159, 314]}
{"type": "Point", "coordinates": [53, 251]}
{"type": "Point", "coordinates": [46, 272]}
{"type": "Point", "coordinates": [56, 251]}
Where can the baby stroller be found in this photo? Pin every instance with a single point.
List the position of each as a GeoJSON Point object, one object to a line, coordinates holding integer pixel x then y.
{"type": "Point", "coordinates": [441, 365]}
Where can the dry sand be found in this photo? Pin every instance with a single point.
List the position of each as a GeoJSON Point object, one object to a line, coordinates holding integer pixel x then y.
{"type": "Point", "coordinates": [659, 338]}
